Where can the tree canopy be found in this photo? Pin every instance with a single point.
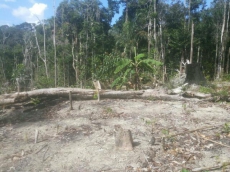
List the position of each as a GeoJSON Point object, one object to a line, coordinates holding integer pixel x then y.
{"type": "Point", "coordinates": [88, 46]}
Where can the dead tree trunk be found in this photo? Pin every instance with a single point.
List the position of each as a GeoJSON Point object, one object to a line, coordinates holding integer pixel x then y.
{"type": "Point", "coordinates": [194, 74]}
{"type": "Point", "coordinates": [191, 49]}
{"type": "Point", "coordinates": [5, 36]}
{"type": "Point", "coordinates": [154, 28]}
{"type": "Point", "coordinates": [54, 44]}
{"type": "Point", "coordinates": [221, 50]}
{"type": "Point", "coordinates": [75, 57]}
{"type": "Point", "coordinates": [39, 50]}
{"type": "Point", "coordinates": [227, 65]}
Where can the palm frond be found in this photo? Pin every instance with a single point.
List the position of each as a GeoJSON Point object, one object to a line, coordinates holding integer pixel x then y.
{"type": "Point", "coordinates": [151, 62]}
{"type": "Point", "coordinates": [139, 57]}
{"type": "Point", "coordinates": [121, 65]}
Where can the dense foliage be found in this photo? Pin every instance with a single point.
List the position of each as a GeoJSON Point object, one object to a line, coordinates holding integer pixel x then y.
{"type": "Point", "coordinates": [151, 38]}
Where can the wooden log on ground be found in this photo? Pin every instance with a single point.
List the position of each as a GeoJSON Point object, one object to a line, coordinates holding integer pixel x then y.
{"type": "Point", "coordinates": [77, 94]}
{"type": "Point", "coordinates": [88, 94]}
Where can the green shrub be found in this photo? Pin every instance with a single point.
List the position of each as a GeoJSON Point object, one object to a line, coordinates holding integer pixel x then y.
{"type": "Point", "coordinates": [44, 82]}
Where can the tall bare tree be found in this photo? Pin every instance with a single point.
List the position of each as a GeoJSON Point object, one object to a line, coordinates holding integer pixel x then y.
{"type": "Point", "coordinates": [54, 44]}
{"type": "Point", "coordinates": [43, 58]}
{"type": "Point", "coordinates": [221, 50]}
{"type": "Point", "coordinates": [154, 26]}
{"type": "Point", "coordinates": [5, 36]}
{"type": "Point", "coordinates": [191, 48]}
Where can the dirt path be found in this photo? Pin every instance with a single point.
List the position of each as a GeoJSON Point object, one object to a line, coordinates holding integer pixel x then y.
{"type": "Point", "coordinates": [83, 139]}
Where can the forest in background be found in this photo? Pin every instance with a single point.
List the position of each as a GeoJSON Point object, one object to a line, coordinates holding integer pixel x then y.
{"type": "Point", "coordinates": [152, 40]}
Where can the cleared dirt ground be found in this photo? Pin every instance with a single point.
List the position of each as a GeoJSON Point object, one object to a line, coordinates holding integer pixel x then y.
{"type": "Point", "coordinates": [190, 134]}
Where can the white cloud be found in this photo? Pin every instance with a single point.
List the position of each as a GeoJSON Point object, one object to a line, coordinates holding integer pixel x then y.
{"type": "Point", "coordinates": [32, 14]}
{"type": "Point", "coordinates": [4, 6]}
{"type": "Point", "coordinates": [10, 0]}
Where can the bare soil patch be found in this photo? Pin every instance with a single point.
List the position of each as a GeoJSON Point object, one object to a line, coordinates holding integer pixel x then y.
{"type": "Point", "coordinates": [189, 134]}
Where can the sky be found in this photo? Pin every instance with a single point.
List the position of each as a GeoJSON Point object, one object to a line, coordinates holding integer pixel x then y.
{"type": "Point", "coordinates": [14, 12]}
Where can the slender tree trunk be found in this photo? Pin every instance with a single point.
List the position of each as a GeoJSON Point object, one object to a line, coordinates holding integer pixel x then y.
{"type": "Point", "coordinates": [189, 13]}
{"type": "Point", "coordinates": [45, 59]}
{"type": "Point", "coordinates": [221, 50]}
{"type": "Point", "coordinates": [86, 49]}
{"type": "Point", "coordinates": [126, 11]}
{"type": "Point", "coordinates": [39, 51]}
{"type": "Point", "coordinates": [154, 26]}
{"type": "Point", "coordinates": [191, 48]}
{"type": "Point", "coordinates": [226, 39]}
{"type": "Point", "coordinates": [5, 36]}
{"type": "Point", "coordinates": [150, 28]}
{"type": "Point", "coordinates": [181, 62]}
{"type": "Point", "coordinates": [37, 68]}
{"type": "Point", "coordinates": [64, 69]}
{"type": "Point", "coordinates": [36, 40]}
{"type": "Point", "coordinates": [3, 68]}
{"type": "Point", "coordinates": [227, 65]}
{"type": "Point", "coordinates": [198, 55]}
{"type": "Point", "coordinates": [161, 39]}
{"type": "Point", "coordinates": [201, 57]}
{"type": "Point", "coordinates": [74, 43]}
{"type": "Point", "coordinates": [54, 44]}
{"type": "Point", "coordinates": [149, 35]}
{"type": "Point", "coordinates": [68, 75]}
{"type": "Point", "coordinates": [81, 62]}
{"type": "Point", "coordinates": [162, 54]}
{"type": "Point", "coordinates": [216, 57]}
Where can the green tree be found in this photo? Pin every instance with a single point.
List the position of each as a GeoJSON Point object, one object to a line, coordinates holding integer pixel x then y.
{"type": "Point", "coordinates": [132, 68]}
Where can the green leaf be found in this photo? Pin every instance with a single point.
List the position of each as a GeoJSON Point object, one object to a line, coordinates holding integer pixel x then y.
{"type": "Point", "coordinates": [184, 170]}
{"type": "Point", "coordinates": [121, 65]}
{"type": "Point", "coordinates": [151, 62]}
{"type": "Point", "coordinates": [127, 72]}
{"type": "Point", "coordinates": [116, 81]}
{"type": "Point", "coordinates": [139, 57]}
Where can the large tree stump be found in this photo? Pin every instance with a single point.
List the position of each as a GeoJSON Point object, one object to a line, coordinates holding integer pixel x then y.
{"type": "Point", "coordinates": [194, 74]}
{"type": "Point", "coordinates": [123, 138]}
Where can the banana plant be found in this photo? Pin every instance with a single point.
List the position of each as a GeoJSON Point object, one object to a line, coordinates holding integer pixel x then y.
{"type": "Point", "coordinates": [133, 67]}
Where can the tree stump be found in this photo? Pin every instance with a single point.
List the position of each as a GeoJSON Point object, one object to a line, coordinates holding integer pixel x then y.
{"type": "Point", "coordinates": [123, 138]}
{"type": "Point", "coordinates": [194, 74]}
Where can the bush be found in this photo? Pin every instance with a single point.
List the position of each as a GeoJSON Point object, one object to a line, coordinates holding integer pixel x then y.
{"type": "Point", "coordinates": [44, 82]}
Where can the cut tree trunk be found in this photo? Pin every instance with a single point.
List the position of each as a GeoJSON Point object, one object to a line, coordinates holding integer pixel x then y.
{"type": "Point", "coordinates": [123, 138]}
{"type": "Point", "coordinates": [194, 74]}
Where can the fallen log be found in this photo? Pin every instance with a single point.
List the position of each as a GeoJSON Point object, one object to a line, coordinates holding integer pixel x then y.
{"type": "Point", "coordinates": [77, 94]}
{"type": "Point", "coordinates": [90, 94]}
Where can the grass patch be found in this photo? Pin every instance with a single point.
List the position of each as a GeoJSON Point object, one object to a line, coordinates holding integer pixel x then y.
{"type": "Point", "coordinates": [206, 90]}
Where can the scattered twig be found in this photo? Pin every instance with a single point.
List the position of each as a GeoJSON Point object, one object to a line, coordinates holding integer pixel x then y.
{"type": "Point", "coordinates": [198, 139]}
{"type": "Point", "coordinates": [204, 137]}
{"type": "Point", "coordinates": [145, 157]}
{"type": "Point", "coordinates": [41, 149]}
{"type": "Point", "coordinates": [211, 168]}
{"type": "Point", "coordinates": [192, 131]}
{"type": "Point", "coordinates": [43, 159]}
